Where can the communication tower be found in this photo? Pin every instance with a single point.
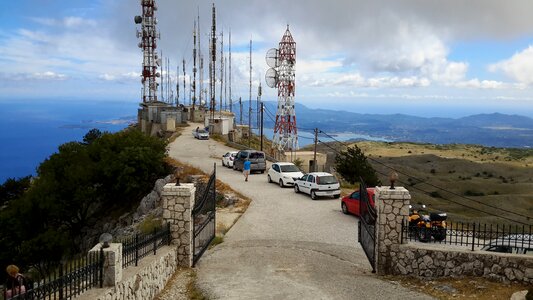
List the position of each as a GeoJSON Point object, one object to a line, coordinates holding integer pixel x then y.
{"type": "Point", "coordinates": [148, 35]}
{"type": "Point", "coordinates": [281, 75]}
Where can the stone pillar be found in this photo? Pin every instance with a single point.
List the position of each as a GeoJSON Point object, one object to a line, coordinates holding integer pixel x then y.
{"type": "Point", "coordinates": [178, 202]}
{"type": "Point", "coordinates": [112, 262]}
{"type": "Point", "coordinates": [392, 207]}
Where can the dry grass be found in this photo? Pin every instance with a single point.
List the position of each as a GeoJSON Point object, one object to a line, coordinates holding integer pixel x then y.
{"type": "Point", "coordinates": [193, 293]}
{"type": "Point", "coordinates": [467, 288]}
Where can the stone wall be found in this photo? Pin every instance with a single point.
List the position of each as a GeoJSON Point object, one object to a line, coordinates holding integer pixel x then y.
{"type": "Point", "coordinates": [435, 260]}
{"type": "Point", "coordinates": [429, 262]}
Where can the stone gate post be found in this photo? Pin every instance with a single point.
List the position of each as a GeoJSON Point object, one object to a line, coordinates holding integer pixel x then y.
{"type": "Point", "coordinates": [392, 207]}
{"type": "Point", "coordinates": [178, 202]}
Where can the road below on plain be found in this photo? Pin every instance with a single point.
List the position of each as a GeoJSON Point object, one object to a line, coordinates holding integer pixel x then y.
{"type": "Point", "coordinates": [285, 246]}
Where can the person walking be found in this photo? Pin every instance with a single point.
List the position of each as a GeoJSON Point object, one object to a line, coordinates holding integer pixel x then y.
{"type": "Point", "coordinates": [246, 169]}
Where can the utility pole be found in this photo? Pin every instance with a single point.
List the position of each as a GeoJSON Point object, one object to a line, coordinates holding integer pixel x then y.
{"type": "Point", "coordinates": [315, 169]}
{"type": "Point", "coordinates": [178, 85]}
{"type": "Point", "coordinates": [161, 87]}
{"type": "Point", "coordinates": [262, 126]}
{"type": "Point", "coordinates": [250, 100]}
{"type": "Point", "coordinates": [240, 110]}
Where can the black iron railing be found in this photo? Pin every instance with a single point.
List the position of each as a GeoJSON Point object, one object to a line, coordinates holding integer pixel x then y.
{"type": "Point", "coordinates": [66, 280]}
{"type": "Point", "coordinates": [475, 236]}
{"type": "Point", "coordinates": [140, 245]}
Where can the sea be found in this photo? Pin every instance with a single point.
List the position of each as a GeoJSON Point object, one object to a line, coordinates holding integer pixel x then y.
{"type": "Point", "coordinates": [32, 130]}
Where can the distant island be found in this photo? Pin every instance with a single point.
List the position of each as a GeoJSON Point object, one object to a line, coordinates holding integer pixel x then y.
{"type": "Point", "coordinates": [490, 130]}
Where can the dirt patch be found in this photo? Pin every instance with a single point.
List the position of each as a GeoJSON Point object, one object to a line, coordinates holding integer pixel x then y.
{"type": "Point", "coordinates": [459, 288]}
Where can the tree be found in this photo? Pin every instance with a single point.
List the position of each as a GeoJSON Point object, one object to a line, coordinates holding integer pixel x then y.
{"type": "Point", "coordinates": [13, 188]}
{"type": "Point", "coordinates": [352, 164]}
{"type": "Point", "coordinates": [92, 136]}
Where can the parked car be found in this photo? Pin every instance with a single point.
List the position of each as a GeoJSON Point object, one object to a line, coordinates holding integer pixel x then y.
{"type": "Point", "coordinates": [284, 173]}
{"type": "Point", "coordinates": [318, 184]}
{"type": "Point", "coordinates": [516, 244]}
{"type": "Point", "coordinates": [228, 158]}
{"type": "Point", "coordinates": [257, 160]}
{"type": "Point", "coordinates": [350, 204]}
{"type": "Point", "coordinates": [201, 134]}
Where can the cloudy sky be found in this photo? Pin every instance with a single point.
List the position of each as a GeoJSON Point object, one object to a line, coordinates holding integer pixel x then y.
{"type": "Point", "coordinates": [432, 58]}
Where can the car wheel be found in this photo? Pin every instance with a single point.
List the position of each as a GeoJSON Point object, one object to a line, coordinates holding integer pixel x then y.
{"type": "Point", "coordinates": [296, 188]}
{"type": "Point", "coordinates": [269, 179]}
{"type": "Point", "coordinates": [262, 171]}
{"type": "Point", "coordinates": [281, 183]}
{"type": "Point", "coordinates": [313, 195]}
{"type": "Point", "coordinates": [344, 208]}
{"type": "Point", "coordinates": [337, 196]}
{"type": "Point", "coordinates": [424, 235]}
{"type": "Point", "coordinates": [223, 164]}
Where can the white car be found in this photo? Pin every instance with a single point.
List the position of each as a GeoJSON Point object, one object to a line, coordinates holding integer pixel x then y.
{"type": "Point", "coordinates": [228, 158]}
{"type": "Point", "coordinates": [318, 184]}
{"type": "Point", "coordinates": [284, 173]}
{"type": "Point", "coordinates": [201, 134]}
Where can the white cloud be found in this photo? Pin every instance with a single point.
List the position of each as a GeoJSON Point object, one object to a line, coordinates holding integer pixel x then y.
{"type": "Point", "coordinates": [481, 84]}
{"type": "Point", "coordinates": [47, 75]}
{"type": "Point", "coordinates": [357, 80]}
{"type": "Point", "coordinates": [519, 67]}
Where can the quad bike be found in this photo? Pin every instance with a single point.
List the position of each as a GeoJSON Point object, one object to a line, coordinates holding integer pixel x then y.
{"type": "Point", "coordinates": [425, 225]}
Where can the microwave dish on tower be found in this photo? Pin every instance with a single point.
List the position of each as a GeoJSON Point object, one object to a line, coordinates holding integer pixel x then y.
{"type": "Point", "coordinates": [271, 78]}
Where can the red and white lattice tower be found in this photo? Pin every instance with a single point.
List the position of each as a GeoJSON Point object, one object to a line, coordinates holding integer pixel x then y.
{"type": "Point", "coordinates": [285, 131]}
{"type": "Point", "coordinates": [148, 35]}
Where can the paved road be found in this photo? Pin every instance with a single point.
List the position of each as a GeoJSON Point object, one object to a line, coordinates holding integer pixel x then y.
{"type": "Point", "coordinates": [286, 246]}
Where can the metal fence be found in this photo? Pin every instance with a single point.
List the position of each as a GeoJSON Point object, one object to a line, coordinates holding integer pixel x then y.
{"type": "Point", "coordinates": [474, 236]}
{"type": "Point", "coordinates": [140, 245]}
{"type": "Point", "coordinates": [66, 280]}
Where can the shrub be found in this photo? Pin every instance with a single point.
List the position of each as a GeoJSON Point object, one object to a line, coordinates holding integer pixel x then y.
{"type": "Point", "coordinates": [473, 193]}
{"type": "Point", "coordinates": [352, 165]}
{"type": "Point", "coordinates": [435, 194]}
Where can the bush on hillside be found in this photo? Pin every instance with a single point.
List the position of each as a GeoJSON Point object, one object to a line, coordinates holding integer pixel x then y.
{"type": "Point", "coordinates": [352, 164]}
{"type": "Point", "coordinates": [75, 187]}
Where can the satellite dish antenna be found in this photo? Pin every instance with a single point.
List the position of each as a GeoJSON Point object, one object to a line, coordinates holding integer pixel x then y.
{"type": "Point", "coordinates": [272, 58]}
{"type": "Point", "coordinates": [271, 77]}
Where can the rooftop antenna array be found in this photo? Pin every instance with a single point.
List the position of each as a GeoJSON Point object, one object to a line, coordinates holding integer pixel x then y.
{"type": "Point", "coordinates": [193, 87]}
{"type": "Point", "coordinates": [148, 35]}
{"type": "Point", "coordinates": [281, 75]}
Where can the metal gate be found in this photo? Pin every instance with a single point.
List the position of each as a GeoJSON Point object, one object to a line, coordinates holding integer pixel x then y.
{"type": "Point", "coordinates": [203, 216]}
{"type": "Point", "coordinates": [367, 225]}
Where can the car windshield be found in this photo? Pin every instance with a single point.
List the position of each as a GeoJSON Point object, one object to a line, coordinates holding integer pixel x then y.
{"type": "Point", "coordinates": [289, 168]}
{"type": "Point", "coordinates": [257, 155]}
{"type": "Point", "coordinates": [233, 154]}
{"type": "Point", "coordinates": [327, 180]}
{"type": "Point", "coordinates": [202, 131]}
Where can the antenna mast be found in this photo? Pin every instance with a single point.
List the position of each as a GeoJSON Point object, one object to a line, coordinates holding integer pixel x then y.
{"type": "Point", "coordinates": [281, 75]}
{"type": "Point", "coordinates": [148, 35]}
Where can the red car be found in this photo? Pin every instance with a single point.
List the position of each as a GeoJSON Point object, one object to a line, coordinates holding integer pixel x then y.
{"type": "Point", "coordinates": [350, 203]}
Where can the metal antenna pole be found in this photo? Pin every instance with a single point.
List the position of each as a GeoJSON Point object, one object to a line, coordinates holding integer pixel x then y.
{"type": "Point", "coordinates": [194, 67]}
{"type": "Point", "coordinates": [212, 67]}
{"type": "Point", "coordinates": [221, 69]}
{"type": "Point", "coordinates": [226, 83]}
{"type": "Point", "coordinates": [262, 108]}
{"type": "Point", "coordinates": [177, 85]}
{"type": "Point", "coordinates": [200, 58]}
{"type": "Point", "coordinates": [161, 87]}
{"type": "Point", "coordinates": [184, 87]}
{"type": "Point", "coordinates": [230, 99]}
{"type": "Point", "coordinates": [240, 110]}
